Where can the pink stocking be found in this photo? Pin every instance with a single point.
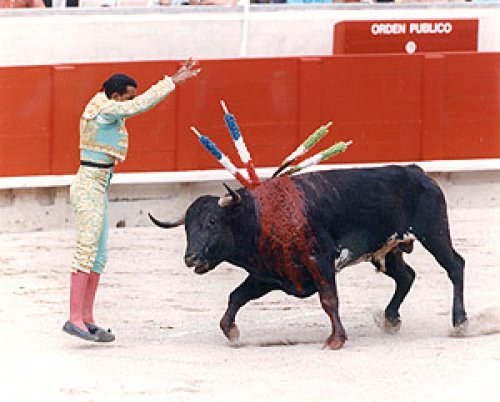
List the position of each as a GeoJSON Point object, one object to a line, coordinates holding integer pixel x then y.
{"type": "Point", "coordinates": [88, 304]}
{"type": "Point", "coordinates": [78, 288]}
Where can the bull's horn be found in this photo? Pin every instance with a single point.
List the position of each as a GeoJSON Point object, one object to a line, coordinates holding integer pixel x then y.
{"type": "Point", "coordinates": [167, 225]}
{"type": "Point", "coordinates": [228, 200]}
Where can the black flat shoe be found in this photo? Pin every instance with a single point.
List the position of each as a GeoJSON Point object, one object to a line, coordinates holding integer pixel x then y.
{"type": "Point", "coordinates": [72, 329]}
{"type": "Point", "coordinates": [94, 328]}
{"type": "Point", "coordinates": [101, 334]}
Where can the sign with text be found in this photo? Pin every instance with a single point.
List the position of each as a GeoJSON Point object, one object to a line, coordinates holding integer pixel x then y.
{"type": "Point", "coordinates": [405, 36]}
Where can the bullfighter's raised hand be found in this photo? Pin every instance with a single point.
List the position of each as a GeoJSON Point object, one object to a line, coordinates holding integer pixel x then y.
{"type": "Point", "coordinates": [188, 70]}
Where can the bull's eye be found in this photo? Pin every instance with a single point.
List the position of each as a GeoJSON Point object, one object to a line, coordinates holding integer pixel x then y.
{"type": "Point", "coordinates": [212, 221]}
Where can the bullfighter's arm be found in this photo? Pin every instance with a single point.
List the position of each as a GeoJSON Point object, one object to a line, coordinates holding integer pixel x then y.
{"type": "Point", "coordinates": [141, 103]}
{"type": "Point", "coordinates": [152, 96]}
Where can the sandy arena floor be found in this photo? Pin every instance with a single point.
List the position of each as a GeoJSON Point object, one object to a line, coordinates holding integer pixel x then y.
{"type": "Point", "coordinates": [169, 346]}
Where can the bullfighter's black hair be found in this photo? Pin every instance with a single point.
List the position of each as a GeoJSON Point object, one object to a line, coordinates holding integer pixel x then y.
{"type": "Point", "coordinates": [118, 83]}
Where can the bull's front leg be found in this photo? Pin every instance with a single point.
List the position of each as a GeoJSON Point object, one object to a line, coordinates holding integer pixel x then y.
{"type": "Point", "coordinates": [330, 303]}
{"type": "Point", "coordinates": [250, 289]}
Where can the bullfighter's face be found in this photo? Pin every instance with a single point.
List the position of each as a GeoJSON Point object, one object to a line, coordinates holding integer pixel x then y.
{"type": "Point", "coordinates": [129, 94]}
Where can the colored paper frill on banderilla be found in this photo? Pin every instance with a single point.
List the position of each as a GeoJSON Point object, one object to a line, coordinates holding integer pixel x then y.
{"type": "Point", "coordinates": [303, 148]}
{"type": "Point", "coordinates": [320, 157]}
{"type": "Point", "coordinates": [240, 145]}
{"type": "Point", "coordinates": [221, 158]}
{"type": "Point", "coordinates": [245, 157]}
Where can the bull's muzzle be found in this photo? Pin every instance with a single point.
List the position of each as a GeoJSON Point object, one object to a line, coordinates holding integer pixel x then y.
{"type": "Point", "coordinates": [190, 260]}
{"type": "Point", "coordinates": [200, 267]}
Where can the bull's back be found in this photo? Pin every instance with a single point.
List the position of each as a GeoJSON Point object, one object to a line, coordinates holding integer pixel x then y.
{"type": "Point", "coordinates": [386, 198]}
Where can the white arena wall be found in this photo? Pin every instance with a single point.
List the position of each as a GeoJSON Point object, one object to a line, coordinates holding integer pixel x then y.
{"type": "Point", "coordinates": [38, 37]}
{"type": "Point", "coordinates": [53, 36]}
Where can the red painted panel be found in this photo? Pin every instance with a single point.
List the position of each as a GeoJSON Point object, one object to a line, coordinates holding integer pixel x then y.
{"type": "Point", "coordinates": [405, 36]}
{"type": "Point", "coordinates": [25, 121]}
{"type": "Point", "coordinates": [309, 101]}
{"type": "Point", "coordinates": [472, 106]}
{"type": "Point", "coordinates": [67, 106]}
{"type": "Point", "coordinates": [433, 107]}
{"type": "Point", "coordinates": [375, 102]}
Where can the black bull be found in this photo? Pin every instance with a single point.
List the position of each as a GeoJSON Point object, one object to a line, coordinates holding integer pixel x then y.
{"type": "Point", "coordinates": [293, 233]}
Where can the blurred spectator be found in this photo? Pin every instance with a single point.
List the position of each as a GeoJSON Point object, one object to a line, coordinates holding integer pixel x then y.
{"type": "Point", "coordinates": [22, 4]}
{"type": "Point", "coordinates": [61, 3]}
{"type": "Point", "coordinates": [308, 1]}
{"type": "Point", "coordinates": [213, 2]}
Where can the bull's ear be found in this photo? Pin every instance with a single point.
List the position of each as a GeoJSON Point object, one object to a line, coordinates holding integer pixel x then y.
{"type": "Point", "coordinates": [167, 225]}
{"type": "Point", "coordinates": [232, 199]}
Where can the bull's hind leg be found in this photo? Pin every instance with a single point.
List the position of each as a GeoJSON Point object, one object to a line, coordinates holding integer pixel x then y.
{"type": "Point", "coordinates": [438, 243]}
{"type": "Point", "coordinates": [250, 289]}
{"type": "Point", "coordinates": [403, 275]}
{"type": "Point", "coordinates": [432, 230]}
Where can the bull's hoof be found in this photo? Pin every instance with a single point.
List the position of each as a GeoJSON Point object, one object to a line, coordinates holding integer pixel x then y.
{"type": "Point", "coordinates": [231, 331]}
{"type": "Point", "coordinates": [233, 334]}
{"type": "Point", "coordinates": [389, 326]}
{"type": "Point", "coordinates": [460, 330]}
{"type": "Point", "coordinates": [334, 342]}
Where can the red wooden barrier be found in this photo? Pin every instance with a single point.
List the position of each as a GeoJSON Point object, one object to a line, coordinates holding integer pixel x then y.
{"type": "Point", "coordinates": [25, 123]}
{"type": "Point", "coordinates": [394, 107]}
{"type": "Point", "coordinates": [470, 118]}
{"type": "Point", "coordinates": [378, 107]}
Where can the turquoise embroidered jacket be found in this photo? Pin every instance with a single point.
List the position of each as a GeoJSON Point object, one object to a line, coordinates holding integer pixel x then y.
{"type": "Point", "coordinates": [103, 135]}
